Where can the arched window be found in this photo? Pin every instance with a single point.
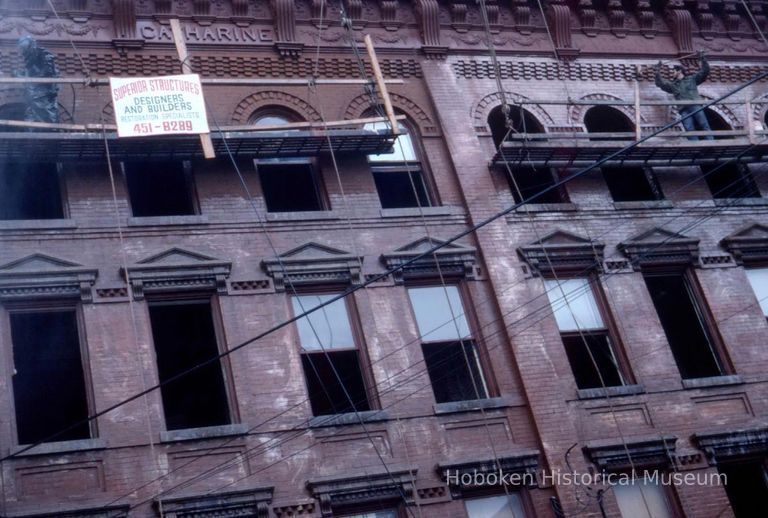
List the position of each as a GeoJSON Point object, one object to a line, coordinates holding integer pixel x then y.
{"type": "Point", "coordinates": [729, 179]}
{"type": "Point", "coordinates": [288, 184]}
{"type": "Point", "coordinates": [525, 181]}
{"type": "Point", "coordinates": [399, 175]}
{"type": "Point", "coordinates": [624, 183]}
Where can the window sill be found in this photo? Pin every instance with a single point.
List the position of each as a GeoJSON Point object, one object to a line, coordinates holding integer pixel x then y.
{"type": "Point", "coordinates": [471, 405]}
{"type": "Point", "coordinates": [640, 205]}
{"type": "Point", "coordinates": [207, 432]}
{"type": "Point", "coordinates": [741, 202]}
{"type": "Point", "coordinates": [623, 390]}
{"type": "Point", "coordinates": [167, 220]}
{"type": "Point", "coordinates": [349, 418]}
{"type": "Point", "coordinates": [407, 212]}
{"type": "Point", "coordinates": [37, 224]}
{"type": "Point", "coordinates": [712, 381]}
{"type": "Point", "coordinates": [302, 215]}
{"type": "Point", "coordinates": [548, 207]}
{"type": "Point", "coordinates": [53, 448]}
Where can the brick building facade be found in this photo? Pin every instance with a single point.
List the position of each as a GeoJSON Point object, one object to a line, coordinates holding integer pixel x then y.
{"type": "Point", "coordinates": [614, 322]}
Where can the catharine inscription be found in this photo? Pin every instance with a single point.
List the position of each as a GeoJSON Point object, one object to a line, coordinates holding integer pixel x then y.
{"type": "Point", "coordinates": [210, 34]}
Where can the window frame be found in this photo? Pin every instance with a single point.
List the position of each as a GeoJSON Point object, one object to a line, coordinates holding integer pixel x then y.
{"type": "Point", "coordinates": [650, 177]}
{"type": "Point", "coordinates": [523, 493]}
{"type": "Point", "coordinates": [176, 298]}
{"type": "Point", "coordinates": [353, 318]}
{"type": "Point", "coordinates": [668, 492]}
{"type": "Point", "coordinates": [610, 329]}
{"type": "Point", "coordinates": [481, 353]}
{"type": "Point", "coordinates": [757, 265]}
{"type": "Point", "coordinates": [52, 306]}
{"type": "Point", "coordinates": [63, 194]}
{"type": "Point", "coordinates": [189, 184]}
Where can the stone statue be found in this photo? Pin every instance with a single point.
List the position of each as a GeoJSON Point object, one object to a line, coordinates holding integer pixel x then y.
{"type": "Point", "coordinates": [42, 102]}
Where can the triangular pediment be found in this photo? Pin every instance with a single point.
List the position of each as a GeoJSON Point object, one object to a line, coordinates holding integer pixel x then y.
{"type": "Point", "coordinates": [562, 238]}
{"type": "Point", "coordinates": [175, 256]}
{"type": "Point", "coordinates": [38, 262]}
{"type": "Point", "coordinates": [313, 250]}
{"type": "Point", "coordinates": [748, 244]}
{"type": "Point", "coordinates": [754, 231]}
{"type": "Point", "coordinates": [657, 234]}
{"type": "Point", "coordinates": [428, 243]}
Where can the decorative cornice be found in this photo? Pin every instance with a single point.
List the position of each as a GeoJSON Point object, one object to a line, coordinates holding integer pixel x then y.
{"type": "Point", "coordinates": [526, 461]}
{"type": "Point", "coordinates": [657, 451]}
{"type": "Point", "coordinates": [40, 276]}
{"type": "Point", "coordinates": [253, 502]}
{"type": "Point", "coordinates": [177, 270]}
{"type": "Point", "coordinates": [452, 261]}
{"type": "Point", "coordinates": [560, 251]}
{"type": "Point", "coordinates": [662, 247]}
{"type": "Point", "coordinates": [313, 264]}
{"type": "Point", "coordinates": [748, 244]}
{"type": "Point", "coordinates": [721, 446]}
{"type": "Point", "coordinates": [362, 489]}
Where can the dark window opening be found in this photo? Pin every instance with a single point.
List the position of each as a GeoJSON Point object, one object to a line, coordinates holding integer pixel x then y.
{"type": "Point", "coordinates": [13, 112]}
{"type": "Point", "coordinates": [454, 373]}
{"type": "Point", "coordinates": [746, 485]}
{"type": "Point", "coordinates": [717, 123]}
{"type": "Point", "coordinates": [400, 189]}
{"type": "Point", "coordinates": [520, 121]}
{"type": "Point", "coordinates": [159, 189]}
{"type": "Point", "coordinates": [30, 191]}
{"type": "Point", "coordinates": [185, 337]}
{"type": "Point", "coordinates": [290, 187]}
{"type": "Point", "coordinates": [48, 382]}
{"type": "Point", "coordinates": [684, 325]}
{"type": "Point", "coordinates": [591, 359]}
{"type": "Point", "coordinates": [730, 180]}
{"type": "Point", "coordinates": [624, 183]}
{"type": "Point", "coordinates": [326, 395]}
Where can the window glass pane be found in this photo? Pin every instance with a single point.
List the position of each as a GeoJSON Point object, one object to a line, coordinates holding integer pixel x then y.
{"type": "Point", "coordinates": [507, 506]}
{"type": "Point", "coordinates": [270, 120]}
{"type": "Point", "coordinates": [642, 499]}
{"type": "Point", "coordinates": [758, 278]}
{"type": "Point", "coordinates": [326, 328]}
{"type": "Point", "coordinates": [402, 151]}
{"type": "Point", "coordinates": [454, 371]}
{"type": "Point", "coordinates": [435, 313]}
{"type": "Point", "coordinates": [573, 304]}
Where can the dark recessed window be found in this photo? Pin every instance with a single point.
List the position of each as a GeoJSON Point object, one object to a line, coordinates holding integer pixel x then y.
{"type": "Point", "coordinates": [30, 191]}
{"type": "Point", "coordinates": [329, 356]}
{"type": "Point", "coordinates": [624, 183]}
{"type": "Point", "coordinates": [684, 324]}
{"type": "Point", "coordinates": [446, 341]}
{"type": "Point", "coordinates": [48, 381]}
{"type": "Point", "coordinates": [746, 485]}
{"type": "Point", "coordinates": [13, 112]}
{"type": "Point", "coordinates": [290, 186]}
{"type": "Point", "coordinates": [159, 189]}
{"type": "Point", "coordinates": [184, 337]}
{"type": "Point", "coordinates": [398, 175]}
{"type": "Point", "coordinates": [730, 180]}
{"type": "Point", "coordinates": [585, 335]}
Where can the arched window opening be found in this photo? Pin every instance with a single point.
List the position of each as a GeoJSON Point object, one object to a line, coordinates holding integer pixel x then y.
{"type": "Point", "coordinates": [524, 181]}
{"type": "Point", "coordinates": [728, 179]}
{"type": "Point", "coordinates": [399, 176]}
{"type": "Point", "coordinates": [765, 120]}
{"type": "Point", "coordinates": [288, 184]}
{"type": "Point", "coordinates": [624, 183]}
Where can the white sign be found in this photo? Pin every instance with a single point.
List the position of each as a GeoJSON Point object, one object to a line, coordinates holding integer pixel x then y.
{"type": "Point", "coordinates": [168, 105]}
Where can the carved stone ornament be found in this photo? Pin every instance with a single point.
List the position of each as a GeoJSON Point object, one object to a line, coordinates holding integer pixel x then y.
{"type": "Point", "coordinates": [520, 462]}
{"type": "Point", "coordinates": [429, 18]}
{"type": "Point", "coordinates": [587, 16]}
{"type": "Point", "coordinates": [124, 19]}
{"type": "Point", "coordinates": [561, 251]}
{"type": "Point", "coordinates": [364, 488]}
{"type": "Point", "coordinates": [656, 451]}
{"type": "Point", "coordinates": [660, 247]}
{"type": "Point", "coordinates": [285, 28]}
{"type": "Point", "coordinates": [645, 18]}
{"type": "Point", "coordinates": [178, 270]}
{"type": "Point", "coordinates": [40, 276]}
{"type": "Point", "coordinates": [252, 502]}
{"type": "Point", "coordinates": [738, 443]}
{"type": "Point", "coordinates": [749, 244]}
{"type": "Point", "coordinates": [313, 264]}
{"type": "Point", "coordinates": [559, 15]}
{"type": "Point", "coordinates": [681, 22]}
{"type": "Point", "coordinates": [454, 260]}
{"type": "Point", "coordinates": [388, 9]}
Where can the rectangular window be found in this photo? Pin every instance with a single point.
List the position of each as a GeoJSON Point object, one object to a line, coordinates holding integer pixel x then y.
{"type": "Point", "coordinates": [30, 191]}
{"type": "Point", "coordinates": [631, 184]}
{"type": "Point", "coordinates": [398, 175]}
{"type": "Point", "coordinates": [730, 181]}
{"type": "Point", "coordinates": [449, 349]}
{"type": "Point", "coordinates": [531, 181]}
{"type": "Point", "coordinates": [586, 337]}
{"type": "Point", "coordinates": [684, 324]}
{"type": "Point", "coordinates": [747, 487]}
{"type": "Point", "coordinates": [758, 278]}
{"type": "Point", "coordinates": [643, 498]}
{"type": "Point", "coordinates": [184, 336]}
{"type": "Point", "coordinates": [49, 381]}
{"type": "Point", "coordinates": [160, 188]}
{"type": "Point", "coordinates": [504, 506]}
{"type": "Point", "coordinates": [290, 186]}
{"type": "Point", "coordinates": [329, 357]}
